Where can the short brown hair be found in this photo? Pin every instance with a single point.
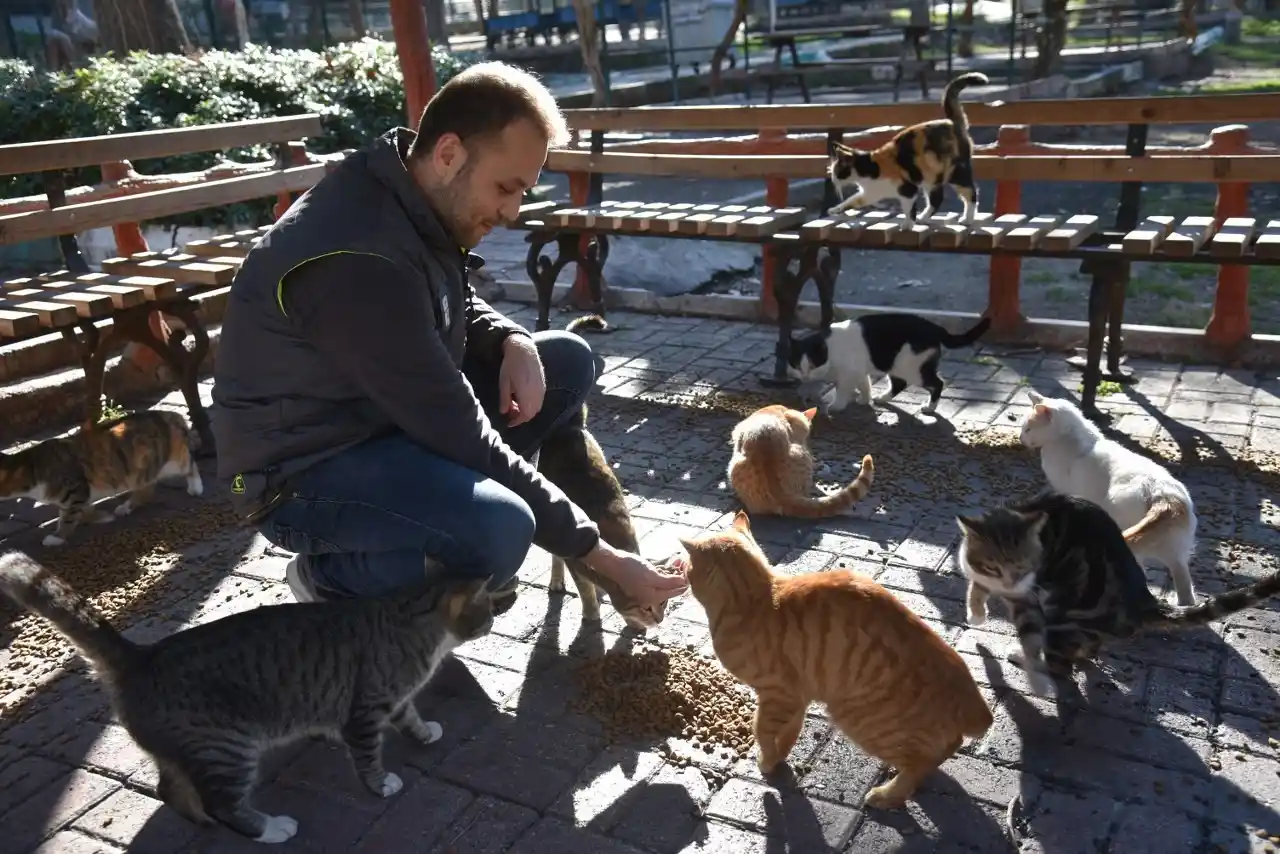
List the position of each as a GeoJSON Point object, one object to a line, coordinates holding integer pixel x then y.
{"type": "Point", "coordinates": [482, 101]}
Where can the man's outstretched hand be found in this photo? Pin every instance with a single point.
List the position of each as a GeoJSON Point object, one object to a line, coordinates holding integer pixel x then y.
{"type": "Point", "coordinates": [521, 382]}
{"type": "Point", "coordinates": [641, 581]}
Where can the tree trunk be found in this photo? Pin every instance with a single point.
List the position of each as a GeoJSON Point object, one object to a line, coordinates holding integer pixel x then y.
{"type": "Point", "coordinates": [437, 24]}
{"type": "Point", "coordinates": [1050, 39]}
{"type": "Point", "coordinates": [722, 49]}
{"type": "Point", "coordinates": [151, 25]}
{"type": "Point", "coordinates": [1187, 19]}
{"type": "Point", "coordinates": [965, 45]}
{"type": "Point", "coordinates": [236, 21]}
{"type": "Point", "coordinates": [355, 9]}
{"type": "Point", "coordinates": [315, 25]}
{"type": "Point", "coordinates": [589, 43]}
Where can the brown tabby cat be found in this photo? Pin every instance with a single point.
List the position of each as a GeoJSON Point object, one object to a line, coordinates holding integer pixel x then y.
{"type": "Point", "coordinates": [920, 158]}
{"type": "Point", "coordinates": [207, 702]}
{"type": "Point", "coordinates": [573, 460]}
{"type": "Point", "coordinates": [889, 682]}
{"type": "Point", "coordinates": [771, 470]}
{"type": "Point", "coordinates": [128, 454]}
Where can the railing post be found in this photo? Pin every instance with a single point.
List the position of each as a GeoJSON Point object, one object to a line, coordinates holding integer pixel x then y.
{"type": "Point", "coordinates": [1005, 278]}
{"type": "Point", "coordinates": [129, 241]}
{"type": "Point", "coordinates": [1229, 325]}
{"type": "Point", "coordinates": [289, 154]}
{"type": "Point", "coordinates": [776, 191]}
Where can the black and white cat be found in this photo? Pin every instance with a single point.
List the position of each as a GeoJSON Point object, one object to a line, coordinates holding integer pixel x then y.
{"type": "Point", "coordinates": [854, 353]}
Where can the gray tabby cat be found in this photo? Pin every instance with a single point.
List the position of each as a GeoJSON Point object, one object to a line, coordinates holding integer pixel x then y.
{"type": "Point", "coordinates": [207, 702]}
{"type": "Point", "coordinates": [1071, 582]}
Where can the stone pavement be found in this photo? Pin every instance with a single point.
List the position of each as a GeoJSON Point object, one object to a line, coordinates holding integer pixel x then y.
{"type": "Point", "coordinates": [1167, 746]}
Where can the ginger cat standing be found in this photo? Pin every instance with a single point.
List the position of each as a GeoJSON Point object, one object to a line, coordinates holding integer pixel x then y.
{"type": "Point", "coordinates": [889, 682]}
{"type": "Point", "coordinates": [771, 470]}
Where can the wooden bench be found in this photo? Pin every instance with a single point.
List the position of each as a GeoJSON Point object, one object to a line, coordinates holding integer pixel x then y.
{"type": "Point", "coordinates": [914, 40]}
{"type": "Point", "coordinates": [811, 243]}
{"type": "Point", "coordinates": [99, 311]}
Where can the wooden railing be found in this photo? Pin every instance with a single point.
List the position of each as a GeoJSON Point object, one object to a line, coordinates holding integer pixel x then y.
{"type": "Point", "coordinates": [778, 151]}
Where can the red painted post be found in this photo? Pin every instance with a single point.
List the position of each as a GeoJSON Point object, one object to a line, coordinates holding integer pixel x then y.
{"type": "Point", "coordinates": [1005, 278]}
{"type": "Point", "coordinates": [413, 44]}
{"type": "Point", "coordinates": [1229, 325]}
{"type": "Point", "coordinates": [129, 241]}
{"type": "Point", "coordinates": [296, 155]}
{"type": "Point", "coordinates": [776, 191]}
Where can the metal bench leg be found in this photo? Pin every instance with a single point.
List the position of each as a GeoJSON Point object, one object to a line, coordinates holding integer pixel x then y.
{"type": "Point", "coordinates": [787, 289]}
{"type": "Point", "coordinates": [1106, 310]}
{"type": "Point", "coordinates": [92, 349]}
{"type": "Point", "coordinates": [824, 277]}
{"type": "Point", "coordinates": [543, 271]}
{"type": "Point", "coordinates": [1115, 332]}
{"type": "Point", "coordinates": [593, 261]}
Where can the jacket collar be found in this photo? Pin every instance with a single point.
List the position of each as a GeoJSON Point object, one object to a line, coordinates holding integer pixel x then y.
{"type": "Point", "coordinates": [386, 159]}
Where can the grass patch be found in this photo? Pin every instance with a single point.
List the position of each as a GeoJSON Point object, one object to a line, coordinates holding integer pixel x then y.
{"type": "Point", "coordinates": [1251, 86]}
{"type": "Point", "coordinates": [1147, 286]}
{"type": "Point", "coordinates": [111, 410]}
{"type": "Point", "coordinates": [1040, 277]}
{"type": "Point", "coordinates": [1106, 388]}
{"type": "Point", "coordinates": [1253, 54]}
{"type": "Point", "coordinates": [1060, 294]}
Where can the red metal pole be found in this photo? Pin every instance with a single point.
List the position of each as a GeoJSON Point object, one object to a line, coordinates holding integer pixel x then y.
{"type": "Point", "coordinates": [413, 44]}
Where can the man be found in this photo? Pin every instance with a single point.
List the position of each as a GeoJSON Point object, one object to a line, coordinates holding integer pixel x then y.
{"type": "Point", "coordinates": [372, 413]}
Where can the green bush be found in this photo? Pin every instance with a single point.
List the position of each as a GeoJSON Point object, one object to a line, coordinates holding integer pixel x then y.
{"type": "Point", "coordinates": [356, 88]}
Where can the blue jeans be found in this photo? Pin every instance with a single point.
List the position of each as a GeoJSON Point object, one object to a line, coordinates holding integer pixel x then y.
{"type": "Point", "coordinates": [366, 521]}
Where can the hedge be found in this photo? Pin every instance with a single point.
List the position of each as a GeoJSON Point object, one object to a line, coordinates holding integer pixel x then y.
{"type": "Point", "coordinates": [356, 88]}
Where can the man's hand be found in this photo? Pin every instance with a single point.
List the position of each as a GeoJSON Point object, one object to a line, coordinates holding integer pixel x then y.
{"type": "Point", "coordinates": [644, 584]}
{"type": "Point", "coordinates": [521, 383]}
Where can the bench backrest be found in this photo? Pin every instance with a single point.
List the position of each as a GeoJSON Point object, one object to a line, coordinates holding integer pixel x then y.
{"type": "Point", "coordinates": [54, 157]}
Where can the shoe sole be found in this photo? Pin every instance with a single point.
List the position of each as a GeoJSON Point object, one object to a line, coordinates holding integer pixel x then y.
{"type": "Point", "coordinates": [298, 586]}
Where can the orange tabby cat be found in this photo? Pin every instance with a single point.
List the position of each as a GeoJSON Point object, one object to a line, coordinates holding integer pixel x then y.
{"type": "Point", "coordinates": [772, 470]}
{"type": "Point", "coordinates": [889, 682]}
{"type": "Point", "coordinates": [128, 454]}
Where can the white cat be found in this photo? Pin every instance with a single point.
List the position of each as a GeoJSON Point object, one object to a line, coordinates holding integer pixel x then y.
{"type": "Point", "coordinates": [853, 353]}
{"type": "Point", "coordinates": [1154, 509]}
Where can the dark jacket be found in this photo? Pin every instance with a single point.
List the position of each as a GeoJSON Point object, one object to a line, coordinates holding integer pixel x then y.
{"type": "Point", "coordinates": [350, 320]}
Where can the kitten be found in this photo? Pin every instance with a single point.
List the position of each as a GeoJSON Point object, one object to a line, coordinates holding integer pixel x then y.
{"type": "Point", "coordinates": [853, 353]}
{"type": "Point", "coordinates": [573, 460]}
{"type": "Point", "coordinates": [889, 682]}
{"type": "Point", "coordinates": [1154, 510]}
{"type": "Point", "coordinates": [207, 702]}
{"type": "Point", "coordinates": [771, 469]}
{"type": "Point", "coordinates": [128, 454]}
{"type": "Point", "coordinates": [920, 159]}
{"type": "Point", "coordinates": [1071, 583]}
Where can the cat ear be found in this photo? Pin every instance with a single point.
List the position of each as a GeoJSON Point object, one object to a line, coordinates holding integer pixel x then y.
{"type": "Point", "coordinates": [1035, 396]}
{"type": "Point", "coordinates": [1044, 411]}
{"type": "Point", "coordinates": [840, 148]}
{"type": "Point", "coordinates": [967, 524]}
{"type": "Point", "coordinates": [742, 522]}
{"type": "Point", "coordinates": [1036, 521]}
{"type": "Point", "coordinates": [688, 544]}
{"type": "Point", "coordinates": [810, 413]}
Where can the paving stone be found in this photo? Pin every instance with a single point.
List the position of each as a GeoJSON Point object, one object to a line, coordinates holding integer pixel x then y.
{"type": "Point", "coordinates": [109, 749]}
{"type": "Point", "coordinates": [553, 836]}
{"type": "Point", "coordinates": [1243, 839]}
{"type": "Point", "coordinates": [815, 734]}
{"type": "Point", "coordinates": [417, 818]}
{"type": "Point", "coordinates": [840, 773]}
{"type": "Point", "coordinates": [325, 824]}
{"type": "Point", "coordinates": [21, 779]}
{"type": "Point", "coordinates": [716, 838]}
{"type": "Point", "coordinates": [138, 823]}
{"type": "Point", "coordinates": [665, 814]}
{"type": "Point", "coordinates": [487, 825]}
{"type": "Point", "coordinates": [807, 824]}
{"type": "Point", "coordinates": [487, 765]}
{"type": "Point", "coordinates": [56, 805]}
{"type": "Point", "coordinates": [933, 822]}
{"type": "Point", "coordinates": [1248, 735]}
{"type": "Point", "coordinates": [1068, 821]}
{"type": "Point", "coordinates": [71, 842]}
{"type": "Point", "coordinates": [965, 776]}
{"type": "Point", "coordinates": [1246, 789]}
{"type": "Point", "coordinates": [599, 795]}
{"type": "Point", "coordinates": [1150, 744]}
{"type": "Point", "coordinates": [1152, 830]}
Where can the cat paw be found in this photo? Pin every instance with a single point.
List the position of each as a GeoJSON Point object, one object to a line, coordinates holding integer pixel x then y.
{"type": "Point", "coordinates": [53, 540]}
{"type": "Point", "coordinates": [429, 733]}
{"type": "Point", "coordinates": [1016, 658]}
{"type": "Point", "coordinates": [388, 786]}
{"type": "Point", "coordinates": [975, 618]}
{"type": "Point", "coordinates": [121, 510]}
{"type": "Point", "coordinates": [767, 768]}
{"type": "Point", "coordinates": [883, 798]}
{"type": "Point", "coordinates": [279, 828]}
{"type": "Point", "coordinates": [195, 486]}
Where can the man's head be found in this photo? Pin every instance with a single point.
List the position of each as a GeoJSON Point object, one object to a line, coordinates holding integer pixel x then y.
{"type": "Point", "coordinates": [482, 142]}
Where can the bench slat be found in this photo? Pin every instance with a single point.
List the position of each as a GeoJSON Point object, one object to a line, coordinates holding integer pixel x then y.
{"type": "Point", "coordinates": [152, 288]}
{"type": "Point", "coordinates": [180, 267]}
{"type": "Point", "coordinates": [52, 315]}
{"type": "Point", "coordinates": [87, 304]}
{"type": "Point", "coordinates": [18, 324]}
{"type": "Point", "coordinates": [70, 219]}
{"type": "Point", "coordinates": [1233, 238]}
{"type": "Point", "coordinates": [955, 234]}
{"type": "Point", "coordinates": [989, 235]}
{"type": "Point", "coordinates": [1268, 243]}
{"type": "Point", "coordinates": [29, 157]}
{"type": "Point", "coordinates": [1189, 236]}
{"type": "Point", "coordinates": [1070, 234]}
{"type": "Point", "coordinates": [1144, 239]}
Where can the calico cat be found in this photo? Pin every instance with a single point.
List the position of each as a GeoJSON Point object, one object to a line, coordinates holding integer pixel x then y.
{"type": "Point", "coordinates": [853, 353]}
{"type": "Point", "coordinates": [920, 159]}
{"type": "Point", "coordinates": [889, 682]}
{"type": "Point", "coordinates": [128, 454]}
{"type": "Point", "coordinates": [573, 460]}
{"type": "Point", "coordinates": [1071, 582]}
{"type": "Point", "coordinates": [207, 702]}
{"type": "Point", "coordinates": [771, 470]}
{"type": "Point", "coordinates": [1154, 510]}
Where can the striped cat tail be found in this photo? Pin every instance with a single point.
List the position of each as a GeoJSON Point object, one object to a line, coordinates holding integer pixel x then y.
{"type": "Point", "coordinates": [1217, 607]}
{"type": "Point", "coordinates": [40, 591]}
{"type": "Point", "coordinates": [592, 322]}
{"type": "Point", "coordinates": [807, 507]}
{"type": "Point", "coordinates": [1162, 510]}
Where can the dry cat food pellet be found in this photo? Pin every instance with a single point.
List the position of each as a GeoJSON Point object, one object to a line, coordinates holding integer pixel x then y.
{"type": "Point", "coordinates": [652, 692]}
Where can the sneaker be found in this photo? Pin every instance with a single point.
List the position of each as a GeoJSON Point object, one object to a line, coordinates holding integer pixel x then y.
{"type": "Point", "coordinates": [299, 580]}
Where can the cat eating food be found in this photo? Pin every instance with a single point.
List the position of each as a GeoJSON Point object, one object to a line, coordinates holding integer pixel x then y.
{"type": "Point", "coordinates": [207, 702]}
{"type": "Point", "coordinates": [889, 682]}
{"type": "Point", "coordinates": [1153, 509]}
{"type": "Point", "coordinates": [129, 454]}
{"type": "Point", "coordinates": [919, 160]}
{"type": "Point", "coordinates": [854, 353]}
{"type": "Point", "coordinates": [1071, 583]}
{"type": "Point", "coordinates": [771, 470]}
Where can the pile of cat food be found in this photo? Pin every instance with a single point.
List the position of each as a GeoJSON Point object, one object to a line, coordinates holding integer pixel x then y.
{"type": "Point", "coordinates": [122, 568]}
{"type": "Point", "coordinates": [655, 692]}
